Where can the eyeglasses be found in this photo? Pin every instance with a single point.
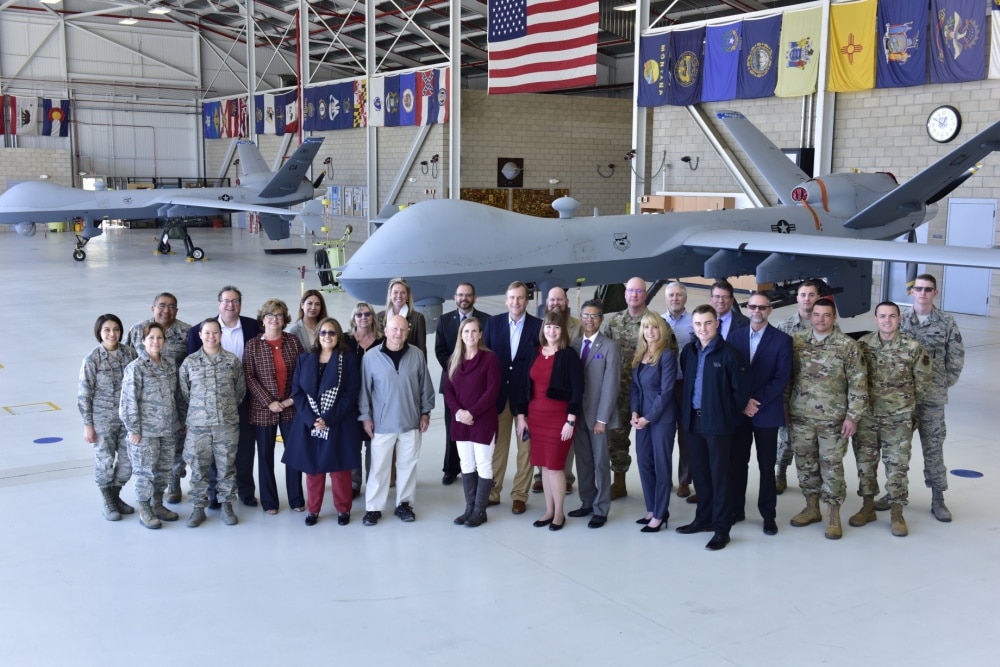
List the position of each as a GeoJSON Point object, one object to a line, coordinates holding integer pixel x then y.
{"type": "Point", "coordinates": [754, 306]}
{"type": "Point", "coordinates": [921, 288]}
{"type": "Point", "coordinates": [229, 302]}
{"type": "Point", "coordinates": [590, 316]}
{"type": "Point", "coordinates": [464, 295]}
{"type": "Point", "coordinates": [365, 314]}
{"type": "Point", "coordinates": [273, 316]}
{"type": "Point", "coordinates": [167, 306]}
{"type": "Point", "coordinates": [721, 297]}
{"type": "Point", "coordinates": [326, 333]}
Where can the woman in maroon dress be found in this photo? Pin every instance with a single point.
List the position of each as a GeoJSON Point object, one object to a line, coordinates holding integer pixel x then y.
{"type": "Point", "coordinates": [548, 406]}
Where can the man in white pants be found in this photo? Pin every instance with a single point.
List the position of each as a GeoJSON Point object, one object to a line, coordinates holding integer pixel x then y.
{"type": "Point", "coordinates": [396, 400]}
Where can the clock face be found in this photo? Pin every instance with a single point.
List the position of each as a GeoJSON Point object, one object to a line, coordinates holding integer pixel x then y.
{"type": "Point", "coordinates": [943, 124]}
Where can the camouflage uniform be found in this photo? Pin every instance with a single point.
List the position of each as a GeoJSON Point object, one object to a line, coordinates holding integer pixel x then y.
{"type": "Point", "coordinates": [942, 340]}
{"type": "Point", "coordinates": [149, 407]}
{"type": "Point", "coordinates": [97, 397]}
{"type": "Point", "coordinates": [828, 385]}
{"type": "Point", "coordinates": [624, 329]}
{"type": "Point", "coordinates": [213, 387]}
{"type": "Point", "coordinates": [899, 373]}
{"type": "Point", "coordinates": [175, 347]}
{"type": "Point", "coordinates": [789, 326]}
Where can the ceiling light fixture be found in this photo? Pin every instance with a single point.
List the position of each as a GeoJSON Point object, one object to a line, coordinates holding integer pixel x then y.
{"type": "Point", "coordinates": [626, 8]}
{"type": "Point", "coordinates": [160, 10]}
{"type": "Point", "coordinates": [128, 21]}
{"type": "Point", "coordinates": [51, 2]}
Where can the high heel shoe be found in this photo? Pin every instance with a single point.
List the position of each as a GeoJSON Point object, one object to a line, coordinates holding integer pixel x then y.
{"type": "Point", "coordinates": [541, 523]}
{"type": "Point", "coordinates": [556, 526]}
{"type": "Point", "coordinates": [643, 521]}
{"type": "Point", "coordinates": [651, 529]}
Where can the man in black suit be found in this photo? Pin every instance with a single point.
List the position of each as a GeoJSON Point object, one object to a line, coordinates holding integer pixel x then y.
{"type": "Point", "coordinates": [237, 331]}
{"type": "Point", "coordinates": [722, 300]}
{"type": "Point", "coordinates": [445, 339]}
{"type": "Point", "coordinates": [768, 352]}
{"type": "Point", "coordinates": [511, 335]}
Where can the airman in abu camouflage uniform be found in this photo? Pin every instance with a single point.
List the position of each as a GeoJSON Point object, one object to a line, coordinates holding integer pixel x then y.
{"type": "Point", "coordinates": [152, 414]}
{"type": "Point", "coordinates": [827, 396]}
{"type": "Point", "coordinates": [937, 332]}
{"type": "Point", "coordinates": [97, 398]}
{"type": "Point", "coordinates": [899, 374]}
{"type": "Point", "coordinates": [623, 327]}
{"type": "Point", "coordinates": [212, 383]}
{"type": "Point", "coordinates": [176, 333]}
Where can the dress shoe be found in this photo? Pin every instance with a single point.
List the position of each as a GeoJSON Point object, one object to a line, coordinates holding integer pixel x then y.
{"type": "Point", "coordinates": [693, 499]}
{"type": "Point", "coordinates": [343, 518]}
{"type": "Point", "coordinates": [448, 480]}
{"type": "Point", "coordinates": [492, 503]}
{"type": "Point", "coordinates": [311, 519]}
{"type": "Point", "coordinates": [355, 493]}
{"type": "Point", "coordinates": [557, 526]}
{"type": "Point", "coordinates": [583, 511]}
{"type": "Point", "coordinates": [736, 518]}
{"type": "Point", "coordinates": [518, 507]}
{"type": "Point", "coordinates": [684, 490]}
{"type": "Point", "coordinates": [717, 543]}
{"type": "Point", "coordinates": [770, 527]}
{"type": "Point", "coordinates": [249, 502]}
{"type": "Point", "coordinates": [643, 521]}
{"type": "Point", "coordinates": [692, 528]}
{"type": "Point", "coordinates": [597, 521]}
{"type": "Point", "coordinates": [541, 523]}
{"type": "Point", "coordinates": [537, 487]}
{"type": "Point", "coordinates": [651, 529]}
{"type": "Point", "coordinates": [569, 488]}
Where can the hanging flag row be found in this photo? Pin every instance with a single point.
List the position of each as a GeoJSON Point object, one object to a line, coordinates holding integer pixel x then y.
{"type": "Point", "coordinates": [225, 118]}
{"type": "Point", "coordinates": [872, 43]}
{"type": "Point", "coordinates": [415, 98]}
{"type": "Point", "coordinates": [24, 116]}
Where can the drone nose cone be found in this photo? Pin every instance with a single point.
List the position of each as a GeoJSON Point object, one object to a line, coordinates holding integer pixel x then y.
{"type": "Point", "coordinates": [25, 229]}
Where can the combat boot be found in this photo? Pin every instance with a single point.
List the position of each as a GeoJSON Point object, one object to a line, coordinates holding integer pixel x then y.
{"type": "Point", "coordinates": [938, 508]}
{"type": "Point", "coordinates": [898, 522]}
{"type": "Point", "coordinates": [146, 516]}
{"type": "Point", "coordinates": [810, 514]}
{"type": "Point", "coordinates": [174, 490]}
{"type": "Point", "coordinates": [882, 504]}
{"type": "Point", "coordinates": [833, 528]}
{"type": "Point", "coordinates": [866, 514]}
{"type": "Point", "coordinates": [123, 507]}
{"type": "Point", "coordinates": [111, 512]}
{"type": "Point", "coordinates": [469, 483]}
{"type": "Point", "coordinates": [228, 515]}
{"type": "Point", "coordinates": [160, 511]}
{"type": "Point", "coordinates": [780, 483]}
{"type": "Point", "coordinates": [478, 516]}
{"type": "Point", "coordinates": [618, 489]}
{"type": "Point", "coordinates": [197, 517]}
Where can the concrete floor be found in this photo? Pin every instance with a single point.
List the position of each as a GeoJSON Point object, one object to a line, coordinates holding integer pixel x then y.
{"type": "Point", "coordinates": [78, 590]}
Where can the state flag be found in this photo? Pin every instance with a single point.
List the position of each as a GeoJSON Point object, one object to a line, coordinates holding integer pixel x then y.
{"type": "Point", "coordinates": [853, 44]}
{"type": "Point", "coordinates": [290, 104]}
{"type": "Point", "coordinates": [340, 106]}
{"type": "Point", "coordinates": [443, 94]}
{"type": "Point", "coordinates": [995, 42]}
{"type": "Point", "coordinates": [427, 101]}
{"type": "Point", "coordinates": [687, 63]}
{"type": "Point", "coordinates": [392, 101]}
{"type": "Point", "coordinates": [722, 61]}
{"type": "Point", "coordinates": [376, 101]}
{"type": "Point", "coordinates": [23, 115]}
{"type": "Point", "coordinates": [654, 56]}
{"type": "Point", "coordinates": [259, 124]}
{"type": "Point", "coordinates": [958, 51]}
{"type": "Point", "coordinates": [271, 115]}
{"type": "Point", "coordinates": [55, 117]}
{"type": "Point", "coordinates": [408, 99]}
{"type": "Point", "coordinates": [902, 60]}
{"type": "Point", "coordinates": [758, 75]}
{"type": "Point", "coordinates": [360, 103]}
{"type": "Point", "coordinates": [211, 118]}
{"type": "Point", "coordinates": [798, 68]}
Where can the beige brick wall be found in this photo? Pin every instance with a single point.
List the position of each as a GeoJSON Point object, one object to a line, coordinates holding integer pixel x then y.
{"type": "Point", "coordinates": [27, 164]}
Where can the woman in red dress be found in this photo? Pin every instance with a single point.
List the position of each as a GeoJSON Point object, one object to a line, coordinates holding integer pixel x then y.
{"type": "Point", "coordinates": [548, 407]}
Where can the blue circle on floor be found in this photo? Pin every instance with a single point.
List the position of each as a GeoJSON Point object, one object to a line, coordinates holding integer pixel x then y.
{"type": "Point", "coordinates": [966, 473]}
{"type": "Point", "coordinates": [47, 441]}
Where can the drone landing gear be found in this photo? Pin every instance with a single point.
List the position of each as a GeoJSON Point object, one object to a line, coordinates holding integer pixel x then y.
{"type": "Point", "coordinates": [163, 248]}
{"type": "Point", "coordinates": [78, 253]}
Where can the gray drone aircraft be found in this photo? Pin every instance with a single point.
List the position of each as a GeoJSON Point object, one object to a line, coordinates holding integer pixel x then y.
{"type": "Point", "coordinates": [831, 227]}
{"type": "Point", "coordinates": [258, 189]}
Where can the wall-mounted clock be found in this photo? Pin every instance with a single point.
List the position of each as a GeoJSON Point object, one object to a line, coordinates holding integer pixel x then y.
{"type": "Point", "coordinates": [944, 124]}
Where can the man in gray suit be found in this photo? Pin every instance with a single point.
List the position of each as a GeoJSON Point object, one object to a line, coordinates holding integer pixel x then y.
{"type": "Point", "coordinates": [602, 372]}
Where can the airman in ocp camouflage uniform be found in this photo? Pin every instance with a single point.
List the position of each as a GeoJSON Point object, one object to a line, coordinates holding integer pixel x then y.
{"type": "Point", "coordinates": [97, 398]}
{"type": "Point", "coordinates": [899, 374]}
{"type": "Point", "coordinates": [939, 335]}
{"type": "Point", "coordinates": [213, 385]}
{"type": "Point", "coordinates": [176, 334]}
{"type": "Point", "coordinates": [152, 412]}
{"type": "Point", "coordinates": [827, 396]}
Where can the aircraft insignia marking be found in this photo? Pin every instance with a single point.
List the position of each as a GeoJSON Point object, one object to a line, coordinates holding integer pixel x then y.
{"type": "Point", "coordinates": [621, 242]}
{"type": "Point", "coordinates": [783, 227]}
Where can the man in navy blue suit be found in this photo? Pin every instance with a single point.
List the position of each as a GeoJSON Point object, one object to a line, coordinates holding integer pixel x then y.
{"type": "Point", "coordinates": [511, 336]}
{"type": "Point", "coordinates": [768, 353]}
{"type": "Point", "coordinates": [237, 331]}
{"type": "Point", "coordinates": [445, 339]}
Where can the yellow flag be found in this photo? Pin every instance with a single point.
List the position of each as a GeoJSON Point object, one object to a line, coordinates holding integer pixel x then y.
{"type": "Point", "coordinates": [853, 46]}
{"type": "Point", "coordinates": [799, 48]}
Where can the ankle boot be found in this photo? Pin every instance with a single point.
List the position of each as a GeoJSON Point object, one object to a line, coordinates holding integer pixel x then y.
{"type": "Point", "coordinates": [228, 515]}
{"type": "Point", "coordinates": [123, 507]}
{"type": "Point", "coordinates": [810, 514]}
{"type": "Point", "coordinates": [938, 508]}
{"type": "Point", "coordinates": [898, 522]}
{"type": "Point", "coordinates": [780, 483]}
{"type": "Point", "coordinates": [469, 483]}
{"type": "Point", "coordinates": [833, 528]}
{"type": "Point", "coordinates": [866, 514]}
{"type": "Point", "coordinates": [618, 489]}
{"type": "Point", "coordinates": [174, 489]}
{"type": "Point", "coordinates": [478, 516]}
{"type": "Point", "coordinates": [197, 517]}
{"type": "Point", "coordinates": [159, 510]}
{"type": "Point", "coordinates": [146, 516]}
{"type": "Point", "coordinates": [111, 512]}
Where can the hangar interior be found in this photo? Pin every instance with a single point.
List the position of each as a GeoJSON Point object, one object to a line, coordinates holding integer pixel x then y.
{"type": "Point", "coordinates": [137, 82]}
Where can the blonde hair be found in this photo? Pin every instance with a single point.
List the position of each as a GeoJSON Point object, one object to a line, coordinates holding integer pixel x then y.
{"type": "Point", "coordinates": [353, 328]}
{"type": "Point", "coordinates": [459, 353]}
{"type": "Point", "coordinates": [651, 317]}
{"type": "Point", "coordinates": [388, 296]}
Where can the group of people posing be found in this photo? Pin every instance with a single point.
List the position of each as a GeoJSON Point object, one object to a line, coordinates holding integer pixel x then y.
{"type": "Point", "coordinates": [566, 388]}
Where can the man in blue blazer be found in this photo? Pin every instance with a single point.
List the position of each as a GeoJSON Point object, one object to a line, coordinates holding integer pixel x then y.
{"type": "Point", "coordinates": [445, 339]}
{"type": "Point", "coordinates": [768, 352]}
{"type": "Point", "coordinates": [511, 336]}
{"type": "Point", "coordinates": [237, 331]}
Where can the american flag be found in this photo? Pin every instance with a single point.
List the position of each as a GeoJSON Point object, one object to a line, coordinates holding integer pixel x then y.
{"type": "Point", "coordinates": [539, 45]}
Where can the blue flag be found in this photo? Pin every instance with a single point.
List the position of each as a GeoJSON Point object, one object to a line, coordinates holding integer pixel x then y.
{"type": "Point", "coordinates": [902, 60]}
{"type": "Point", "coordinates": [722, 61]}
{"type": "Point", "coordinates": [758, 75]}
{"type": "Point", "coordinates": [55, 117]}
{"type": "Point", "coordinates": [391, 101]}
{"type": "Point", "coordinates": [408, 99]}
{"type": "Point", "coordinates": [654, 54]}
{"type": "Point", "coordinates": [340, 105]}
{"type": "Point", "coordinates": [211, 115]}
{"type": "Point", "coordinates": [687, 66]}
{"type": "Point", "coordinates": [258, 112]}
{"type": "Point", "coordinates": [958, 52]}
